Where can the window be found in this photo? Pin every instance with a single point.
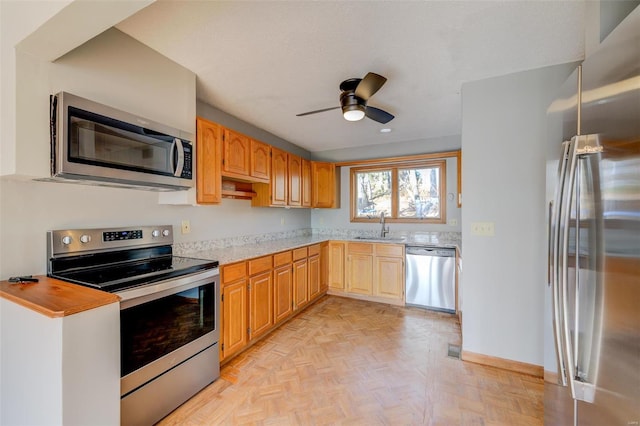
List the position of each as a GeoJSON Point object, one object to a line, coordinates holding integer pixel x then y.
{"type": "Point", "coordinates": [411, 192]}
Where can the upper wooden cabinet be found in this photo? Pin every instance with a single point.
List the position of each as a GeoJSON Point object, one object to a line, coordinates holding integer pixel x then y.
{"type": "Point", "coordinates": [244, 158]}
{"type": "Point", "coordinates": [237, 154]}
{"type": "Point", "coordinates": [208, 156]}
{"type": "Point", "coordinates": [325, 192]}
{"type": "Point", "coordinates": [276, 192]}
{"type": "Point", "coordinates": [260, 162]}
{"type": "Point", "coordinates": [306, 183]}
{"type": "Point", "coordinates": [295, 180]}
{"type": "Point", "coordinates": [279, 178]}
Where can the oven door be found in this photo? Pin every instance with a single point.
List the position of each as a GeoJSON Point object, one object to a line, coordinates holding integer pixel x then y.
{"type": "Point", "coordinates": [164, 324]}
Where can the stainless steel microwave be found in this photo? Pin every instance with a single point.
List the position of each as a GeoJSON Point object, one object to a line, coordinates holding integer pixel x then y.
{"type": "Point", "coordinates": [97, 144]}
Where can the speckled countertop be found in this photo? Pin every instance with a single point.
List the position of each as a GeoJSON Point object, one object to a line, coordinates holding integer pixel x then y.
{"type": "Point", "coordinates": [233, 250]}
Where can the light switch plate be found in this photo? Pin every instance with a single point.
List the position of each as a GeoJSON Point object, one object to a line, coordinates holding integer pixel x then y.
{"type": "Point", "coordinates": [483, 229]}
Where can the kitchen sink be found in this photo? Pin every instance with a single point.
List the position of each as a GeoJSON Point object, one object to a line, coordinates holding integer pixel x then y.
{"type": "Point", "coordinates": [386, 239]}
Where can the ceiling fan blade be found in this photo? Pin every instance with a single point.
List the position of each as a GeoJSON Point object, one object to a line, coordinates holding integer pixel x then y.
{"type": "Point", "coordinates": [316, 111]}
{"type": "Point", "coordinates": [369, 85]}
{"type": "Point", "coordinates": [378, 115]}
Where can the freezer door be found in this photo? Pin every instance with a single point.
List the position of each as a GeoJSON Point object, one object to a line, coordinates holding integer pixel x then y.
{"type": "Point", "coordinates": [611, 109]}
{"type": "Point", "coordinates": [607, 317]}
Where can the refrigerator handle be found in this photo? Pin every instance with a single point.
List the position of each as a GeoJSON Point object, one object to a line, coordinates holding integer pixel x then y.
{"type": "Point", "coordinates": [551, 243]}
{"type": "Point", "coordinates": [554, 264]}
{"type": "Point", "coordinates": [565, 217]}
{"type": "Point", "coordinates": [579, 390]}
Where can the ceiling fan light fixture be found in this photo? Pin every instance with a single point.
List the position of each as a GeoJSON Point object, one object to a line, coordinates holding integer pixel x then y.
{"type": "Point", "coordinates": [353, 112]}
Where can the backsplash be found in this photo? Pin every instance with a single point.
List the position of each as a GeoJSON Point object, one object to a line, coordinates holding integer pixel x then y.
{"type": "Point", "coordinates": [182, 249]}
{"type": "Point", "coordinates": [440, 238]}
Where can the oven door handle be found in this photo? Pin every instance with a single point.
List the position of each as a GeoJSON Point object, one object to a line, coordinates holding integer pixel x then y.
{"type": "Point", "coordinates": [146, 293]}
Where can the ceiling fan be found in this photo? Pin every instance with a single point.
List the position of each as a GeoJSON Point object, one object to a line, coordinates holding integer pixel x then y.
{"type": "Point", "coordinates": [353, 99]}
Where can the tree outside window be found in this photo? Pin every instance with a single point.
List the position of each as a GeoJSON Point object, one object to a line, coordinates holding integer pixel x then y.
{"type": "Point", "coordinates": [404, 193]}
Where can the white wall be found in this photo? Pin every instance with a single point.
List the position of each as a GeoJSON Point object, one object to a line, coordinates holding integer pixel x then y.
{"type": "Point", "coordinates": [504, 144]}
{"type": "Point", "coordinates": [119, 71]}
{"type": "Point", "coordinates": [29, 209]}
{"type": "Point", "coordinates": [43, 31]}
{"type": "Point", "coordinates": [340, 218]}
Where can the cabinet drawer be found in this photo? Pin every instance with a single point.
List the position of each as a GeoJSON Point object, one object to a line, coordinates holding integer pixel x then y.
{"type": "Point", "coordinates": [314, 249]}
{"type": "Point", "coordinates": [390, 250]}
{"type": "Point", "coordinates": [300, 253]}
{"type": "Point", "coordinates": [234, 272]}
{"type": "Point", "coordinates": [280, 259]}
{"type": "Point", "coordinates": [260, 264]}
{"type": "Point", "coordinates": [365, 248]}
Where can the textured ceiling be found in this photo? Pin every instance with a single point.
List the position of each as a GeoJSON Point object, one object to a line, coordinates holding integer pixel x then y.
{"type": "Point", "coordinates": [264, 62]}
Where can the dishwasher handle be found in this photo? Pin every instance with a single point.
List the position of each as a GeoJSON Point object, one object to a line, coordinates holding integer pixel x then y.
{"type": "Point", "coordinates": [430, 251]}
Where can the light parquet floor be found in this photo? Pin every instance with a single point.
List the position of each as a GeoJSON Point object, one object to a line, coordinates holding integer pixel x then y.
{"type": "Point", "coordinates": [351, 362]}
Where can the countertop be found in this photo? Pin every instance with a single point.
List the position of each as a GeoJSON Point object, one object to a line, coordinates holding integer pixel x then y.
{"type": "Point", "coordinates": [55, 298]}
{"type": "Point", "coordinates": [239, 253]}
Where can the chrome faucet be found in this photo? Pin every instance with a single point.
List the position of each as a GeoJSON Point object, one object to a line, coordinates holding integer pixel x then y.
{"type": "Point", "coordinates": [384, 231]}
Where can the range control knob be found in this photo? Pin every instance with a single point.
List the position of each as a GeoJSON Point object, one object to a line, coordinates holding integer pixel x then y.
{"type": "Point", "coordinates": [165, 232]}
{"type": "Point", "coordinates": [155, 233]}
{"type": "Point", "coordinates": [66, 240]}
{"type": "Point", "coordinates": [85, 238]}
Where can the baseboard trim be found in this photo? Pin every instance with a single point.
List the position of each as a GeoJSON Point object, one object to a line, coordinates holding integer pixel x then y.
{"type": "Point", "coordinates": [505, 364]}
{"type": "Point", "coordinates": [551, 377]}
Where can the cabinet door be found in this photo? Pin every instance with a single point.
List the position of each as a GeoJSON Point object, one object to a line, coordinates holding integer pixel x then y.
{"type": "Point", "coordinates": [260, 304]}
{"type": "Point", "coordinates": [360, 273]}
{"type": "Point", "coordinates": [300, 283]}
{"type": "Point", "coordinates": [324, 267]}
{"type": "Point", "coordinates": [295, 180]}
{"type": "Point", "coordinates": [324, 193]}
{"type": "Point", "coordinates": [208, 162]}
{"type": "Point", "coordinates": [306, 183]}
{"type": "Point", "coordinates": [235, 317]}
{"type": "Point", "coordinates": [336, 265]}
{"type": "Point", "coordinates": [279, 177]}
{"type": "Point", "coordinates": [389, 277]}
{"type": "Point", "coordinates": [237, 154]}
{"type": "Point", "coordinates": [260, 161]}
{"type": "Point", "coordinates": [314, 277]}
{"type": "Point", "coordinates": [283, 293]}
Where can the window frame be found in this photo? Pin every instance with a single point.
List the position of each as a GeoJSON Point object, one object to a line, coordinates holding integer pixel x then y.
{"type": "Point", "coordinates": [441, 163]}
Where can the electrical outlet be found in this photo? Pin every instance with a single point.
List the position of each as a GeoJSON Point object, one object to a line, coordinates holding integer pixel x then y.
{"type": "Point", "coordinates": [483, 229]}
{"type": "Point", "coordinates": [281, 220]}
{"type": "Point", "coordinates": [186, 227]}
{"type": "Point", "coordinates": [453, 222]}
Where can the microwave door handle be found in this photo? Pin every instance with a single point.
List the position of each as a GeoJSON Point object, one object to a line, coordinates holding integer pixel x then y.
{"type": "Point", "coordinates": [177, 157]}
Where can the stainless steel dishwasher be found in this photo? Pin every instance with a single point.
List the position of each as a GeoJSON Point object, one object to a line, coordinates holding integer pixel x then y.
{"type": "Point", "coordinates": [431, 278]}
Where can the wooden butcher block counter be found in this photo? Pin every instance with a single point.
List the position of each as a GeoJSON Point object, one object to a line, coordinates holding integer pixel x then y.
{"type": "Point", "coordinates": [55, 298]}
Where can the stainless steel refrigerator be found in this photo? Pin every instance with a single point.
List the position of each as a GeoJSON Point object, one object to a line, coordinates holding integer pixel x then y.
{"type": "Point", "coordinates": [593, 204]}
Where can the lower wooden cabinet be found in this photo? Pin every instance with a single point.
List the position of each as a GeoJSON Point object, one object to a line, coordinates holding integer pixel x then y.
{"type": "Point", "coordinates": [359, 268]}
{"type": "Point", "coordinates": [300, 278]}
{"type": "Point", "coordinates": [388, 274]}
{"type": "Point", "coordinates": [372, 271]}
{"type": "Point", "coordinates": [315, 272]}
{"type": "Point", "coordinates": [235, 317]}
{"type": "Point", "coordinates": [324, 267]}
{"type": "Point", "coordinates": [260, 304]}
{"type": "Point", "coordinates": [261, 293]}
{"type": "Point", "coordinates": [283, 285]}
{"type": "Point", "coordinates": [336, 266]}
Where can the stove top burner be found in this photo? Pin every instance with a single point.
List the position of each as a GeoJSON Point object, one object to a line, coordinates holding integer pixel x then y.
{"type": "Point", "coordinates": [116, 277]}
{"type": "Point", "coordinates": [112, 259]}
